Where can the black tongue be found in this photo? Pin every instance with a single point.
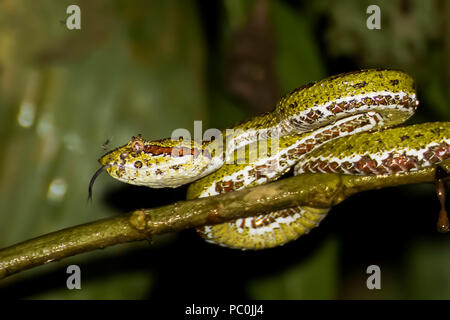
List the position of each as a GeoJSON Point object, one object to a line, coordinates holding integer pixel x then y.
{"type": "Point", "coordinates": [91, 183]}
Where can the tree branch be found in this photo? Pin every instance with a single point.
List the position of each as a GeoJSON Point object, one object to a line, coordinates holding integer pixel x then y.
{"type": "Point", "coordinates": [315, 190]}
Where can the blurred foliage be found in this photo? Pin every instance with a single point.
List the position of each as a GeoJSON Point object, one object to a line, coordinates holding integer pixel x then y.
{"type": "Point", "coordinates": [153, 66]}
{"type": "Point", "coordinates": [312, 279]}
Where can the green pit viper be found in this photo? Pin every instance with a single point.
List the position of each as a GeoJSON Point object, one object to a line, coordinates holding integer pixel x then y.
{"type": "Point", "coordinates": [345, 124]}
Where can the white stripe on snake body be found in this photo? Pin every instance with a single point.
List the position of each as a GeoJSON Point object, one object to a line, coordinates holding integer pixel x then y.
{"type": "Point", "coordinates": [280, 163]}
{"type": "Point", "coordinates": [340, 124]}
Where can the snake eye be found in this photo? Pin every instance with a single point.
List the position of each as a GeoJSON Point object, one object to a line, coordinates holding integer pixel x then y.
{"type": "Point", "coordinates": [123, 156]}
{"type": "Point", "coordinates": [137, 145]}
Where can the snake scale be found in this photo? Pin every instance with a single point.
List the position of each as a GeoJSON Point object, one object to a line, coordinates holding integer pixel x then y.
{"type": "Point", "coordinates": [345, 124]}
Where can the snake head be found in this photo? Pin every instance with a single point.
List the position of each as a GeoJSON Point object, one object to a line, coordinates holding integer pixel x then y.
{"type": "Point", "coordinates": [159, 164]}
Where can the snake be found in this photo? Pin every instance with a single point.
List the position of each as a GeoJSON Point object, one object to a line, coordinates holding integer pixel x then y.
{"type": "Point", "coordinates": [350, 124]}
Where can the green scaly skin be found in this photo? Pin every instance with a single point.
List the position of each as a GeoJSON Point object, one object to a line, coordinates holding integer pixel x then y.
{"type": "Point", "coordinates": [414, 137]}
{"type": "Point", "coordinates": [303, 123]}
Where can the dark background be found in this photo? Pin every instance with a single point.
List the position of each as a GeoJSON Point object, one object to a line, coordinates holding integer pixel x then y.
{"type": "Point", "coordinates": [153, 66]}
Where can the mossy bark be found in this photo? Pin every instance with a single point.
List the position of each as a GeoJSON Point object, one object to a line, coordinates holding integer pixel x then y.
{"type": "Point", "coordinates": [315, 190]}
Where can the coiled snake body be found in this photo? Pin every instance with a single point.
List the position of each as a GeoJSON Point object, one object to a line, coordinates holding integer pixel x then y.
{"type": "Point", "coordinates": [340, 124]}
